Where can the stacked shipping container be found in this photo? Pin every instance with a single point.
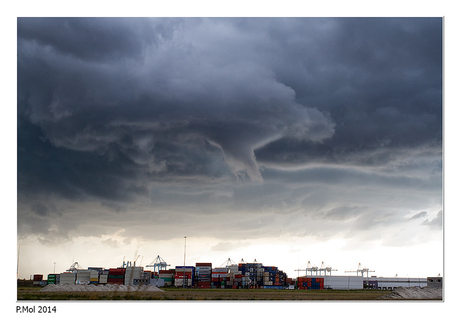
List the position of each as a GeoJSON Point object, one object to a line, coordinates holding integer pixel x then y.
{"type": "Point", "coordinates": [68, 278]}
{"type": "Point", "coordinates": [83, 277]}
{"type": "Point", "coordinates": [184, 276]}
{"type": "Point", "coordinates": [219, 277]}
{"type": "Point", "coordinates": [310, 283]}
{"type": "Point", "coordinates": [243, 275]}
{"type": "Point", "coordinates": [203, 275]}
{"type": "Point", "coordinates": [116, 276]}
{"type": "Point", "coordinates": [94, 277]}
{"type": "Point", "coordinates": [167, 276]}
{"type": "Point", "coordinates": [104, 276]}
{"type": "Point", "coordinates": [37, 279]}
{"type": "Point", "coordinates": [53, 278]}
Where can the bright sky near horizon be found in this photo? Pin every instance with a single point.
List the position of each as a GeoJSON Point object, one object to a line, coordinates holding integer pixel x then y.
{"type": "Point", "coordinates": [285, 140]}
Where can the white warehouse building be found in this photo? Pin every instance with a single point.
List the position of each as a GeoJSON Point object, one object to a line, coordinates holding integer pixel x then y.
{"type": "Point", "coordinates": [360, 282]}
{"type": "Point", "coordinates": [393, 282]}
{"type": "Point", "coordinates": [340, 282]}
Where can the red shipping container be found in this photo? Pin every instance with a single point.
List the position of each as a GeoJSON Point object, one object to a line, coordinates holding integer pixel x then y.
{"type": "Point", "coordinates": [188, 274]}
{"type": "Point", "coordinates": [203, 264]}
{"type": "Point", "coordinates": [117, 271]}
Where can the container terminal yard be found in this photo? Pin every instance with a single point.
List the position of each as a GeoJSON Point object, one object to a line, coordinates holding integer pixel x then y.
{"type": "Point", "coordinates": [230, 275]}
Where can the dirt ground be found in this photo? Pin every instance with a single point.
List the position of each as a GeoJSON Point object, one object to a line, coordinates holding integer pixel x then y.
{"type": "Point", "coordinates": [149, 292]}
{"type": "Point", "coordinates": [409, 293]}
{"type": "Point", "coordinates": [171, 293]}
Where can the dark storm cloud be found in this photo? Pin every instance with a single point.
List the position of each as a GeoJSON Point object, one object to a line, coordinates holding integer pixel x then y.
{"type": "Point", "coordinates": [379, 79]}
{"type": "Point", "coordinates": [99, 39]}
{"type": "Point", "coordinates": [149, 114]}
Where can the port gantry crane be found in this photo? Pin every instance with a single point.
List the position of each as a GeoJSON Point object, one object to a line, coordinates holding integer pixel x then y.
{"type": "Point", "coordinates": [74, 267]}
{"type": "Point", "coordinates": [313, 268]}
{"type": "Point", "coordinates": [326, 269]}
{"type": "Point", "coordinates": [229, 262]}
{"type": "Point", "coordinates": [361, 270]}
{"type": "Point", "coordinates": [308, 268]}
{"type": "Point", "coordinates": [158, 264]}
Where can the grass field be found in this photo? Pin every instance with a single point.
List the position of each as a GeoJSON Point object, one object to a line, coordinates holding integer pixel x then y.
{"type": "Point", "coordinates": [171, 293]}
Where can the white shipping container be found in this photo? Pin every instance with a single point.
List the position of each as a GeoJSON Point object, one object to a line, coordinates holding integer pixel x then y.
{"type": "Point", "coordinates": [181, 270]}
{"type": "Point", "coordinates": [178, 282]}
{"type": "Point", "coordinates": [83, 276]}
{"type": "Point", "coordinates": [67, 278]}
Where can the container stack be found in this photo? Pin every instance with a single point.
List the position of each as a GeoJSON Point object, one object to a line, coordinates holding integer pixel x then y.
{"type": "Point", "coordinates": [94, 277]}
{"type": "Point", "coordinates": [37, 279]}
{"type": "Point", "coordinates": [311, 283]}
{"type": "Point", "coordinates": [219, 277]}
{"type": "Point", "coordinates": [53, 279]}
{"type": "Point", "coordinates": [83, 277]}
{"type": "Point", "coordinates": [203, 274]}
{"type": "Point", "coordinates": [167, 275]}
{"type": "Point", "coordinates": [133, 272]}
{"type": "Point", "coordinates": [103, 276]}
{"type": "Point", "coordinates": [68, 278]}
{"type": "Point", "coordinates": [148, 275]}
{"type": "Point", "coordinates": [186, 273]}
{"type": "Point", "coordinates": [234, 277]}
{"type": "Point", "coordinates": [116, 276]}
{"type": "Point", "coordinates": [253, 274]}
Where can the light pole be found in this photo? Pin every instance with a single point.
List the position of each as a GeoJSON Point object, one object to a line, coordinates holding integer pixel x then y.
{"type": "Point", "coordinates": [185, 249]}
{"type": "Point", "coordinates": [54, 270]}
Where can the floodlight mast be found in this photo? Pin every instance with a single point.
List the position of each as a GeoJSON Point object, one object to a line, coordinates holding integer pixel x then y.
{"type": "Point", "coordinates": [185, 250]}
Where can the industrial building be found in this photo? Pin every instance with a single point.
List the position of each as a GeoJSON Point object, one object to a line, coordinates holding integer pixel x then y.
{"type": "Point", "coordinates": [434, 282]}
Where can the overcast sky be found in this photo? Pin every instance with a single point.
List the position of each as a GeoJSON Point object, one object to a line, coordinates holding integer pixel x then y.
{"type": "Point", "coordinates": [285, 140]}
